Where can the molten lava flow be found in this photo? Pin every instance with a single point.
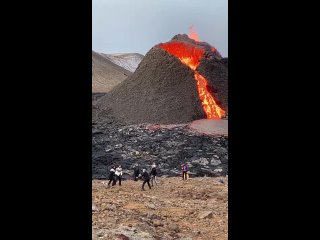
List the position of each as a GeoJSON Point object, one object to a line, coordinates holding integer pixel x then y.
{"type": "Point", "coordinates": [193, 34]}
{"type": "Point", "coordinates": [187, 53]}
{"type": "Point", "coordinates": [210, 107]}
{"type": "Point", "coordinates": [190, 55]}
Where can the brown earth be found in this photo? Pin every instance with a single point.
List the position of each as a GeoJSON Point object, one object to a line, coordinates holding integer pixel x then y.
{"type": "Point", "coordinates": [173, 209]}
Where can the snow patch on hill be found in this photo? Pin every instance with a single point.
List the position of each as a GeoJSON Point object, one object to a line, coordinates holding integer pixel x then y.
{"type": "Point", "coordinates": [129, 61]}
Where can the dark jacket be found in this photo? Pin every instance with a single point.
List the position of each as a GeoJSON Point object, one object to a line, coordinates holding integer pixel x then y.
{"type": "Point", "coordinates": [136, 171]}
{"type": "Point", "coordinates": [153, 172]}
{"type": "Point", "coordinates": [145, 176]}
{"type": "Point", "coordinates": [111, 173]}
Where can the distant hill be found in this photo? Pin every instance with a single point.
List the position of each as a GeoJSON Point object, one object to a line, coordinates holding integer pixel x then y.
{"type": "Point", "coordinates": [129, 61]}
{"type": "Point", "coordinates": [106, 74]}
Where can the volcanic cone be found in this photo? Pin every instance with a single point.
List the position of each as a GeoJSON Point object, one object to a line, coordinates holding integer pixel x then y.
{"type": "Point", "coordinates": [174, 83]}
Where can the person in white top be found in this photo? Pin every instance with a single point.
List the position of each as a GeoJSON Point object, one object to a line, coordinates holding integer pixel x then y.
{"type": "Point", "coordinates": [153, 174]}
{"type": "Point", "coordinates": [118, 174]}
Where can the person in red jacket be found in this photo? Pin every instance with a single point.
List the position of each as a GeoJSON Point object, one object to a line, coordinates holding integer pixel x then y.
{"type": "Point", "coordinates": [184, 171]}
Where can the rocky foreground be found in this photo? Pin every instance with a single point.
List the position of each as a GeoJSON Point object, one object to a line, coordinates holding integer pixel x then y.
{"type": "Point", "coordinates": [174, 209]}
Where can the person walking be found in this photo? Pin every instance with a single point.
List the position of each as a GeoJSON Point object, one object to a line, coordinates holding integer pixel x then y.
{"type": "Point", "coordinates": [146, 179]}
{"type": "Point", "coordinates": [118, 174]}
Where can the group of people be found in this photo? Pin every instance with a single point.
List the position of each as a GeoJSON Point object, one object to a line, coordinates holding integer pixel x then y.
{"type": "Point", "coordinates": [145, 176]}
{"type": "Point", "coordinates": [116, 175]}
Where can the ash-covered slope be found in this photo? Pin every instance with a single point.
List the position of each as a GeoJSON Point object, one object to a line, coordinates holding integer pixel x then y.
{"type": "Point", "coordinates": [106, 74]}
{"type": "Point", "coordinates": [163, 89]}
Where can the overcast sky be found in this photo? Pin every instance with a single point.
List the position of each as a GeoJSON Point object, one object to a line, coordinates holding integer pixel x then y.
{"type": "Point", "coordinates": [128, 26]}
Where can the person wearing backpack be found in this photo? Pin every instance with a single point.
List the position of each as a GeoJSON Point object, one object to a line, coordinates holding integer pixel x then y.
{"type": "Point", "coordinates": [184, 171]}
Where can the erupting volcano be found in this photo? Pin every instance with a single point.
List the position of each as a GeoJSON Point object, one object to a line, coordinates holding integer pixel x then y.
{"type": "Point", "coordinates": [176, 82]}
{"type": "Point", "coordinates": [191, 55]}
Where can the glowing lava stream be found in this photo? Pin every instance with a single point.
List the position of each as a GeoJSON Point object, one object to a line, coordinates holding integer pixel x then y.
{"type": "Point", "coordinates": [190, 56]}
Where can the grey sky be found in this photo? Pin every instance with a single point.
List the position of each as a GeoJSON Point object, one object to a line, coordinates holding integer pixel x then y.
{"type": "Point", "coordinates": [120, 26]}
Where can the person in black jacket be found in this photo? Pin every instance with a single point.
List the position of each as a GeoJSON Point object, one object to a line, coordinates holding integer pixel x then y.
{"type": "Point", "coordinates": [136, 172]}
{"type": "Point", "coordinates": [112, 175]}
{"type": "Point", "coordinates": [146, 179]}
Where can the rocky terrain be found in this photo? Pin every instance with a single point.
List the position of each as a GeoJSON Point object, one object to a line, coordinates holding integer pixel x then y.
{"type": "Point", "coordinates": [166, 145]}
{"type": "Point", "coordinates": [195, 209]}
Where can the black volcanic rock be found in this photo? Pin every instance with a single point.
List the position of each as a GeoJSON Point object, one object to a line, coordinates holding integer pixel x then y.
{"type": "Point", "coordinates": [167, 147]}
{"type": "Point", "coordinates": [205, 46]}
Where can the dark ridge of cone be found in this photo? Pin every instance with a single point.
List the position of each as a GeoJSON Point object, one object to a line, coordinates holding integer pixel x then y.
{"type": "Point", "coordinates": [213, 67]}
{"type": "Point", "coordinates": [161, 90]}
{"type": "Point", "coordinates": [216, 72]}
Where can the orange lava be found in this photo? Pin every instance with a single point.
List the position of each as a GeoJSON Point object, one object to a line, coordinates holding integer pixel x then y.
{"type": "Point", "coordinates": [190, 55]}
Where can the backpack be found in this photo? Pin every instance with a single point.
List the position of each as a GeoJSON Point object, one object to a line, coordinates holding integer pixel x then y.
{"type": "Point", "coordinates": [185, 168]}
